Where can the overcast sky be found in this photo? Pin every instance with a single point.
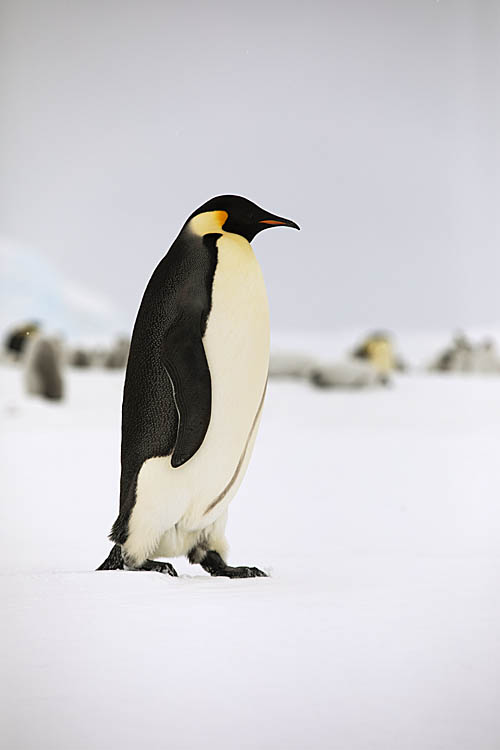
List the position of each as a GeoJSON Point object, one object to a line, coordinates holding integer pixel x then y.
{"type": "Point", "coordinates": [374, 124]}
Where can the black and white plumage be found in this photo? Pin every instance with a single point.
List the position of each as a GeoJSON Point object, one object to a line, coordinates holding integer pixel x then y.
{"type": "Point", "coordinates": [194, 390]}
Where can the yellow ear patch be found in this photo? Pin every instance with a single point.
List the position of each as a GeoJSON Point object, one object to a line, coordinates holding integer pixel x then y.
{"type": "Point", "coordinates": [208, 222]}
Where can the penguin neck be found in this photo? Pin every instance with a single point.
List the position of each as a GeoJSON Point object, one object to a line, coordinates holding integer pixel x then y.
{"type": "Point", "coordinates": [211, 222]}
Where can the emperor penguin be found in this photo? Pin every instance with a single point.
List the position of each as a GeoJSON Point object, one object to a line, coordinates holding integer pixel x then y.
{"type": "Point", "coordinates": [194, 389]}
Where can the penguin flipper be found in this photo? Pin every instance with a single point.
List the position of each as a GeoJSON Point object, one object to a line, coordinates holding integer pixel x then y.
{"type": "Point", "coordinates": [184, 359]}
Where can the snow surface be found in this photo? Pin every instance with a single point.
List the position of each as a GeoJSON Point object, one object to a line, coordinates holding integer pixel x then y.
{"type": "Point", "coordinates": [377, 514]}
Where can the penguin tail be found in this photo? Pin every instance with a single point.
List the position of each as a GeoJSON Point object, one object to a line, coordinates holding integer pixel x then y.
{"type": "Point", "coordinates": [114, 560]}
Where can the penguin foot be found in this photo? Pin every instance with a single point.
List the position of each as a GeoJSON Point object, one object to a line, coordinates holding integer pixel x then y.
{"type": "Point", "coordinates": [215, 565]}
{"type": "Point", "coordinates": [156, 566]}
{"type": "Point", "coordinates": [242, 571]}
{"type": "Point", "coordinates": [114, 560]}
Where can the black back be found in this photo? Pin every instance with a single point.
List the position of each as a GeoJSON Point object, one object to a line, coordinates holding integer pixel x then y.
{"type": "Point", "coordinates": [167, 372]}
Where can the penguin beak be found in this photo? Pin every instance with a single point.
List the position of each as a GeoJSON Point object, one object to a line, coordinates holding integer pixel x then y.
{"type": "Point", "coordinates": [278, 221]}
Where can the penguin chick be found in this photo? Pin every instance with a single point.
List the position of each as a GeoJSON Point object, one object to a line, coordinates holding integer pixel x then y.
{"type": "Point", "coordinates": [43, 367]}
{"type": "Point", "coordinates": [194, 390]}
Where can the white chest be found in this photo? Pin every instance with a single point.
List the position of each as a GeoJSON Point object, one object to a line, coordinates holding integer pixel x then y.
{"type": "Point", "coordinates": [237, 337]}
{"type": "Point", "coordinates": [236, 344]}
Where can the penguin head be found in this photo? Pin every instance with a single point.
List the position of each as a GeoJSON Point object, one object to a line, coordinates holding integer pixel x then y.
{"type": "Point", "coordinates": [232, 213]}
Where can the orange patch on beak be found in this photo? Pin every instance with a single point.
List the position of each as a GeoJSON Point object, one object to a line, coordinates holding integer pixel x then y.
{"type": "Point", "coordinates": [270, 221]}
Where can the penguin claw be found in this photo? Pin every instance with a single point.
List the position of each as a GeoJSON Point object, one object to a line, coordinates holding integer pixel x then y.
{"type": "Point", "coordinates": [260, 573]}
{"type": "Point", "coordinates": [156, 566]}
{"type": "Point", "coordinates": [240, 572]}
{"type": "Point", "coordinates": [214, 564]}
{"type": "Point", "coordinates": [169, 570]}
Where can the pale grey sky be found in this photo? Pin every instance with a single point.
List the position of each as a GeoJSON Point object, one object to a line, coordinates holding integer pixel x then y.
{"type": "Point", "coordinates": [374, 124]}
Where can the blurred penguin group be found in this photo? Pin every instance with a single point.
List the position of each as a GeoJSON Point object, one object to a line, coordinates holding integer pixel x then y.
{"type": "Point", "coordinates": [369, 364]}
{"type": "Point", "coordinates": [44, 358]}
{"type": "Point", "coordinates": [463, 355]}
{"type": "Point", "coordinates": [373, 362]}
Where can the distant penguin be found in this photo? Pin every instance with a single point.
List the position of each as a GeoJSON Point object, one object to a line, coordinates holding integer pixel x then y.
{"type": "Point", "coordinates": [194, 390]}
{"type": "Point", "coordinates": [19, 337]}
{"type": "Point", "coordinates": [349, 373]}
{"type": "Point", "coordinates": [79, 358]}
{"type": "Point", "coordinates": [43, 367]}
{"type": "Point", "coordinates": [283, 365]}
{"type": "Point", "coordinates": [116, 357]}
{"type": "Point", "coordinates": [377, 349]}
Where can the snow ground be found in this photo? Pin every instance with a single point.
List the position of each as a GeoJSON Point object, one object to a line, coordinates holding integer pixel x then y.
{"type": "Point", "coordinates": [377, 514]}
